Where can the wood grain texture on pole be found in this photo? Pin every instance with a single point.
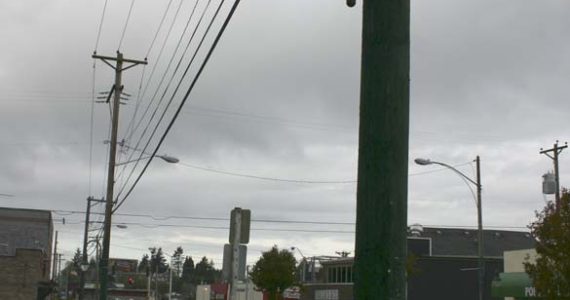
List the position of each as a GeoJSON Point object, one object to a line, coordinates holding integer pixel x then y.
{"type": "Point", "coordinates": [381, 220]}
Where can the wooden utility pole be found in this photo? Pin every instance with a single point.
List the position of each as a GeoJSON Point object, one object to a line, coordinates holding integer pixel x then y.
{"type": "Point", "coordinates": [85, 242]}
{"type": "Point", "coordinates": [381, 208]}
{"type": "Point", "coordinates": [117, 90]}
{"type": "Point", "coordinates": [555, 152]}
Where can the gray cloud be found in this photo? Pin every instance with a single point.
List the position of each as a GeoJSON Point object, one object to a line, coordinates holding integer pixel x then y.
{"type": "Point", "coordinates": [279, 99]}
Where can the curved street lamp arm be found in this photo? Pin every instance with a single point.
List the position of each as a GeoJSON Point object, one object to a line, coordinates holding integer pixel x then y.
{"type": "Point", "coordinates": [132, 160]}
{"type": "Point", "coordinates": [456, 171]}
{"type": "Point", "coordinates": [166, 158]}
{"type": "Point", "coordinates": [296, 248]}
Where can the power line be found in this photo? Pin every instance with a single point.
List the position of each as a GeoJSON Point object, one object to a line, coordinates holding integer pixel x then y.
{"type": "Point", "coordinates": [162, 218]}
{"type": "Point", "coordinates": [216, 113]}
{"type": "Point", "coordinates": [135, 128]}
{"type": "Point", "coordinates": [130, 128]}
{"type": "Point", "coordinates": [126, 23]}
{"type": "Point", "coordinates": [166, 72]}
{"type": "Point", "coordinates": [148, 225]}
{"type": "Point", "coordinates": [159, 26]}
{"type": "Point", "coordinates": [157, 225]}
{"type": "Point", "coordinates": [100, 26]}
{"type": "Point", "coordinates": [151, 225]}
{"type": "Point", "coordinates": [296, 180]}
{"type": "Point", "coordinates": [266, 178]}
{"type": "Point", "coordinates": [139, 96]}
{"type": "Point", "coordinates": [197, 76]}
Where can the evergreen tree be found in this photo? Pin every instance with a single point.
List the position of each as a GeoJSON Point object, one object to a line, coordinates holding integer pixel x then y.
{"type": "Point", "coordinates": [187, 286]}
{"type": "Point", "coordinates": [188, 269]}
{"type": "Point", "coordinates": [77, 260]}
{"type": "Point", "coordinates": [144, 264]}
{"type": "Point", "coordinates": [177, 261]}
{"type": "Point", "coordinates": [157, 261]}
{"type": "Point", "coordinates": [204, 272]}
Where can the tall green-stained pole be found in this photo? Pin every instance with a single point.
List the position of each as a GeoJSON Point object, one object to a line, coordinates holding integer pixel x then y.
{"type": "Point", "coordinates": [381, 209]}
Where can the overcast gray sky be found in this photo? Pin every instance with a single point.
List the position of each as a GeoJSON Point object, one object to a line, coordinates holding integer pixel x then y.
{"type": "Point", "coordinates": [279, 99]}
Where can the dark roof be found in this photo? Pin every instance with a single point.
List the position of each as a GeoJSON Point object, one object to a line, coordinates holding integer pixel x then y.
{"type": "Point", "coordinates": [459, 242]}
{"type": "Point", "coordinates": [464, 242]}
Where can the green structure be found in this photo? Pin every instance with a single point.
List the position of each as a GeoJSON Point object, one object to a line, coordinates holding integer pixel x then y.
{"type": "Point", "coordinates": [515, 285]}
{"type": "Point", "coordinates": [381, 212]}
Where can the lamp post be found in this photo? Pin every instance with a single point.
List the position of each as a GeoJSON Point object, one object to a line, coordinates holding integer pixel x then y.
{"type": "Point", "coordinates": [312, 264]}
{"type": "Point", "coordinates": [103, 263]}
{"type": "Point", "coordinates": [303, 276]}
{"type": "Point", "coordinates": [477, 183]}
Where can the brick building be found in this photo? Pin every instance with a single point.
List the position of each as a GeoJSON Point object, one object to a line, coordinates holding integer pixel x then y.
{"type": "Point", "coordinates": [25, 252]}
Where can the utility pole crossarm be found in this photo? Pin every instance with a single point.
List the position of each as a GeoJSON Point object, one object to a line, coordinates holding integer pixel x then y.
{"type": "Point", "coordinates": [554, 148]}
{"type": "Point", "coordinates": [125, 60]}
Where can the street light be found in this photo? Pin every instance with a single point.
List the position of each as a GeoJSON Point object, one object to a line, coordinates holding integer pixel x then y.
{"type": "Point", "coordinates": [295, 248]}
{"type": "Point", "coordinates": [304, 276]}
{"type": "Point", "coordinates": [477, 183]}
{"type": "Point", "coordinates": [103, 268]}
{"type": "Point", "coordinates": [166, 158]}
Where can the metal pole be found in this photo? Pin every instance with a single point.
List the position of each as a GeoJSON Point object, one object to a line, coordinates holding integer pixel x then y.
{"type": "Point", "coordinates": [235, 254]}
{"type": "Point", "coordinates": [313, 279]}
{"type": "Point", "coordinates": [381, 208]}
{"type": "Point", "coordinates": [480, 232]}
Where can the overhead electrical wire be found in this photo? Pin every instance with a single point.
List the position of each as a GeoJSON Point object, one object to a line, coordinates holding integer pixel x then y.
{"type": "Point", "coordinates": [253, 220]}
{"type": "Point", "coordinates": [296, 180]}
{"type": "Point", "coordinates": [130, 129]}
{"type": "Point", "coordinates": [159, 27]}
{"type": "Point", "coordinates": [148, 225]}
{"type": "Point", "coordinates": [168, 68]}
{"type": "Point", "coordinates": [162, 218]}
{"type": "Point", "coordinates": [134, 129]}
{"type": "Point", "coordinates": [265, 178]}
{"type": "Point", "coordinates": [143, 151]}
{"type": "Point", "coordinates": [211, 112]}
{"type": "Point", "coordinates": [100, 26]}
{"type": "Point", "coordinates": [126, 24]}
{"type": "Point", "coordinates": [156, 225]}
